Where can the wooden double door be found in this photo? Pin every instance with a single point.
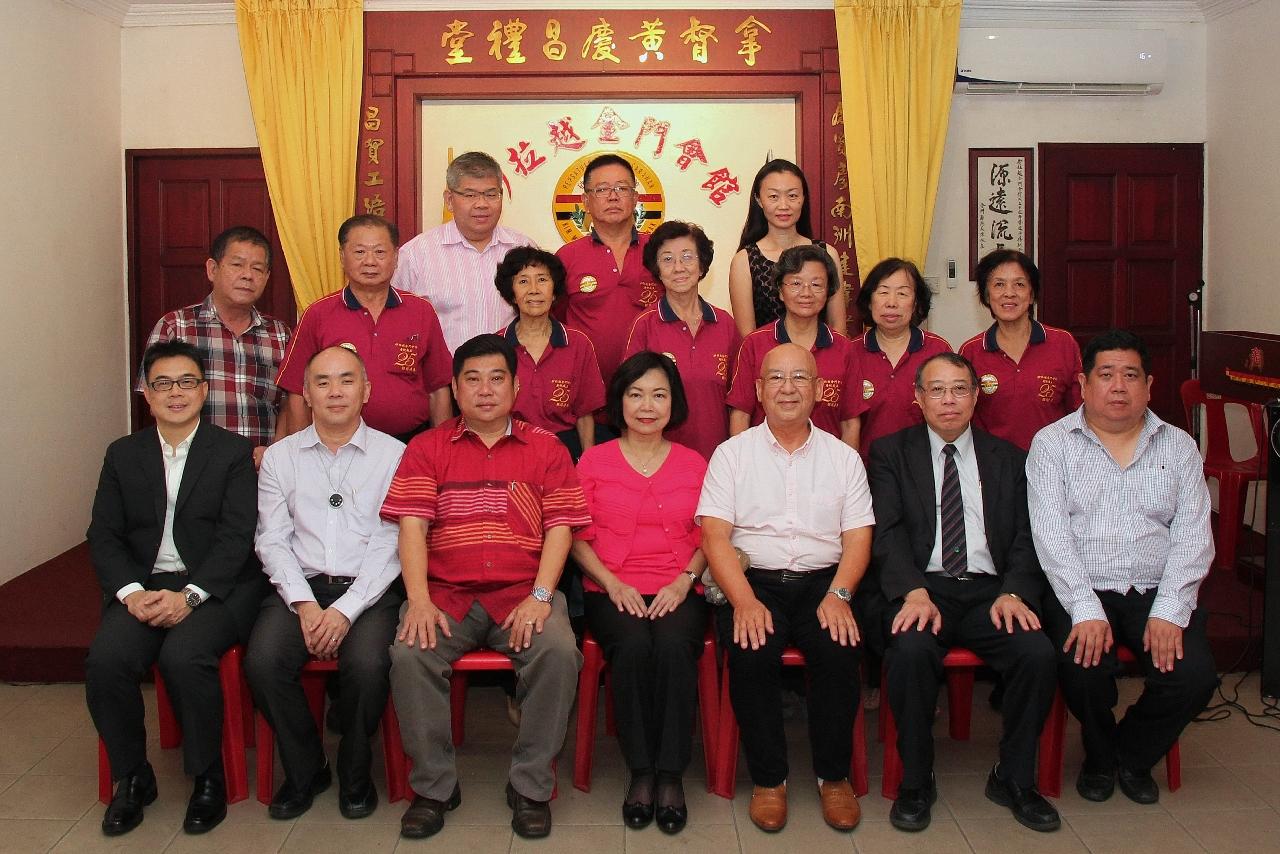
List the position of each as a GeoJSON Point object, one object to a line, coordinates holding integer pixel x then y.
{"type": "Point", "coordinates": [1121, 245]}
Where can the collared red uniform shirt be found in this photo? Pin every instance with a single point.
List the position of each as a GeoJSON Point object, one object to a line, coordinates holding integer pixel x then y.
{"type": "Point", "coordinates": [889, 391]}
{"type": "Point", "coordinates": [404, 353]}
{"type": "Point", "coordinates": [241, 369]}
{"type": "Point", "coordinates": [1098, 526]}
{"type": "Point", "coordinates": [488, 509]}
{"type": "Point", "coordinates": [1016, 399]}
{"type": "Point", "coordinates": [561, 386]}
{"type": "Point", "coordinates": [301, 534]}
{"type": "Point", "coordinates": [706, 363]}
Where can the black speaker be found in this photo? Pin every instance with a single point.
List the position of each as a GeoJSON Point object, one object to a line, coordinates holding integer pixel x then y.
{"type": "Point", "coordinates": [1271, 594]}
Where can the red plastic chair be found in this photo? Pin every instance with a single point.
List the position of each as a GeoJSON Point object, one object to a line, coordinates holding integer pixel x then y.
{"type": "Point", "coordinates": [237, 727]}
{"type": "Point", "coordinates": [314, 675]}
{"type": "Point", "coordinates": [1053, 739]}
{"type": "Point", "coordinates": [959, 666]}
{"type": "Point", "coordinates": [1234, 476]}
{"type": "Point", "coordinates": [476, 660]}
{"type": "Point", "coordinates": [593, 664]}
{"type": "Point", "coordinates": [727, 746]}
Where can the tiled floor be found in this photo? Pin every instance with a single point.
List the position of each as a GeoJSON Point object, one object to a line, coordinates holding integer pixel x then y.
{"type": "Point", "coordinates": [1230, 799]}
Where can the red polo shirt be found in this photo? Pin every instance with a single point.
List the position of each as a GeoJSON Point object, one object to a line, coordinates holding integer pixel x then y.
{"type": "Point", "coordinates": [489, 509]}
{"type": "Point", "coordinates": [890, 391]}
{"type": "Point", "coordinates": [561, 387]}
{"type": "Point", "coordinates": [404, 353]}
{"type": "Point", "coordinates": [605, 297]}
{"type": "Point", "coordinates": [705, 361]}
{"type": "Point", "coordinates": [837, 367]}
{"type": "Point", "coordinates": [1016, 399]}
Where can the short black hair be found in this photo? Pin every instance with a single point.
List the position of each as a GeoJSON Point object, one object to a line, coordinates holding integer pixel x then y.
{"type": "Point", "coordinates": [987, 266]}
{"type": "Point", "coordinates": [954, 359]}
{"type": "Point", "coordinates": [633, 369]}
{"type": "Point", "coordinates": [368, 221]}
{"type": "Point", "coordinates": [487, 344]}
{"type": "Point", "coordinates": [1114, 339]}
{"type": "Point", "coordinates": [522, 257]}
{"type": "Point", "coordinates": [239, 234]}
{"type": "Point", "coordinates": [882, 271]}
{"type": "Point", "coordinates": [674, 229]}
{"type": "Point", "coordinates": [607, 160]}
{"type": "Point", "coordinates": [793, 259]}
{"type": "Point", "coordinates": [170, 349]}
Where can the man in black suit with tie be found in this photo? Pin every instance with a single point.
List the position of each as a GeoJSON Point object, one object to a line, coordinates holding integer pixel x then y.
{"type": "Point", "coordinates": [956, 562]}
{"type": "Point", "coordinates": [171, 537]}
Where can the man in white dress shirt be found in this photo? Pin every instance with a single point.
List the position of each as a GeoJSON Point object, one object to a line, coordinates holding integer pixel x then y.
{"type": "Point", "coordinates": [453, 265]}
{"type": "Point", "coordinates": [794, 500]}
{"type": "Point", "coordinates": [333, 562]}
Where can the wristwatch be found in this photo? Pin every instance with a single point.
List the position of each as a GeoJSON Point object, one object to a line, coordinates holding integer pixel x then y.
{"type": "Point", "coordinates": [694, 577]}
{"type": "Point", "coordinates": [542, 594]}
{"type": "Point", "coordinates": [192, 597]}
{"type": "Point", "coordinates": [841, 593]}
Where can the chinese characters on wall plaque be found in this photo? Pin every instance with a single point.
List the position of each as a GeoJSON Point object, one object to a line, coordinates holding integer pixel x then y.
{"type": "Point", "coordinates": [1000, 202]}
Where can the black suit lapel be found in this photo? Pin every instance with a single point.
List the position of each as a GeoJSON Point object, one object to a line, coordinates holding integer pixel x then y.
{"type": "Point", "coordinates": [197, 457]}
{"type": "Point", "coordinates": [151, 465]}
{"type": "Point", "coordinates": [920, 465]}
{"type": "Point", "coordinates": [989, 463]}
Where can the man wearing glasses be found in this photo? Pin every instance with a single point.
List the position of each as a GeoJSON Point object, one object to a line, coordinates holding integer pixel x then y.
{"type": "Point", "coordinates": [607, 281]}
{"type": "Point", "coordinates": [453, 264]}
{"type": "Point", "coordinates": [955, 561]}
{"type": "Point", "coordinates": [170, 537]}
{"type": "Point", "coordinates": [786, 527]}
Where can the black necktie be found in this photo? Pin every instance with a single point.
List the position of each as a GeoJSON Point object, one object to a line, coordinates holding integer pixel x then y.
{"type": "Point", "coordinates": [955, 554]}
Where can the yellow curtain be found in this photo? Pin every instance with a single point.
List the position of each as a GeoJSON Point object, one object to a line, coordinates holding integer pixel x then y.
{"type": "Point", "coordinates": [302, 63]}
{"type": "Point", "coordinates": [897, 71]}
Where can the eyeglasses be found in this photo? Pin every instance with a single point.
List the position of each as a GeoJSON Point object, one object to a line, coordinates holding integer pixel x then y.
{"type": "Point", "coordinates": [186, 381]}
{"type": "Point", "coordinates": [602, 191]}
{"type": "Point", "coordinates": [795, 286]}
{"type": "Point", "coordinates": [937, 392]}
{"type": "Point", "coordinates": [780, 379]}
{"type": "Point", "coordinates": [669, 259]}
{"type": "Point", "coordinates": [471, 196]}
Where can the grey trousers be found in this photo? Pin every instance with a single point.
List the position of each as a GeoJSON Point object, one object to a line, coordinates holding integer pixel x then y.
{"type": "Point", "coordinates": [546, 682]}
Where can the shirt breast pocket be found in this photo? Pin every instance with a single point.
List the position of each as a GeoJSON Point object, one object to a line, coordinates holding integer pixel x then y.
{"type": "Point", "coordinates": [1158, 493]}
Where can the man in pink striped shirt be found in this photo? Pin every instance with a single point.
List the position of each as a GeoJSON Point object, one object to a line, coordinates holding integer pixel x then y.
{"type": "Point", "coordinates": [453, 264]}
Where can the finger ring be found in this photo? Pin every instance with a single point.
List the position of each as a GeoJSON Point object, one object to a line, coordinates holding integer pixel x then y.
{"type": "Point", "coordinates": [528, 622]}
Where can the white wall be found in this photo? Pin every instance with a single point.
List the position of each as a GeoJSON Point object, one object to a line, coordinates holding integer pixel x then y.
{"type": "Point", "coordinates": [62, 296]}
{"type": "Point", "coordinates": [1177, 114]}
{"type": "Point", "coordinates": [183, 87]}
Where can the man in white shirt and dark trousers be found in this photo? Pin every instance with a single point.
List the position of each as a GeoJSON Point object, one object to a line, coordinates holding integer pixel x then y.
{"type": "Point", "coordinates": [954, 557]}
{"type": "Point", "coordinates": [793, 499]}
{"type": "Point", "coordinates": [333, 562]}
{"type": "Point", "coordinates": [171, 540]}
{"type": "Point", "coordinates": [1120, 516]}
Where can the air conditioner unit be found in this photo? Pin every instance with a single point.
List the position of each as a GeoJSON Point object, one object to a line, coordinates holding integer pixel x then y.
{"type": "Point", "coordinates": [1061, 61]}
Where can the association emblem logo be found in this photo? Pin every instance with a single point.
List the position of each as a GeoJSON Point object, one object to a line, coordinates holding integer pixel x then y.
{"type": "Point", "coordinates": [588, 284]}
{"type": "Point", "coordinates": [571, 218]}
{"type": "Point", "coordinates": [989, 384]}
{"type": "Point", "coordinates": [868, 390]}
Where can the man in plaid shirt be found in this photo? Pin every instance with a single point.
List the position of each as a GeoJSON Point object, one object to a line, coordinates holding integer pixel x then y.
{"type": "Point", "coordinates": [242, 346]}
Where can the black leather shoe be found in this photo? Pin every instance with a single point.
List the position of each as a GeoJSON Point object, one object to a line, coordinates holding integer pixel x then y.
{"type": "Point", "coordinates": [1027, 805]}
{"type": "Point", "coordinates": [133, 792]}
{"type": "Point", "coordinates": [637, 815]}
{"type": "Point", "coordinates": [425, 816]}
{"type": "Point", "coordinates": [208, 805]}
{"type": "Point", "coordinates": [1096, 785]}
{"type": "Point", "coordinates": [911, 810]}
{"type": "Point", "coordinates": [637, 809]}
{"type": "Point", "coordinates": [291, 801]}
{"type": "Point", "coordinates": [672, 812]}
{"type": "Point", "coordinates": [530, 819]}
{"type": "Point", "coordinates": [358, 800]}
{"type": "Point", "coordinates": [1138, 786]}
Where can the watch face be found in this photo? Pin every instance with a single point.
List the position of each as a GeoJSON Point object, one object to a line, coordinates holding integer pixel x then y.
{"type": "Point", "coordinates": [193, 599]}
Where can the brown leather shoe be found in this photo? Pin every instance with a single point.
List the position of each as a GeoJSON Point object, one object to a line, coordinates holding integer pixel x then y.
{"type": "Point", "coordinates": [769, 807]}
{"type": "Point", "coordinates": [839, 804]}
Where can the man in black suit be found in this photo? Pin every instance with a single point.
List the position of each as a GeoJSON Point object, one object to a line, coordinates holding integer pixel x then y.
{"type": "Point", "coordinates": [171, 537]}
{"type": "Point", "coordinates": [955, 560]}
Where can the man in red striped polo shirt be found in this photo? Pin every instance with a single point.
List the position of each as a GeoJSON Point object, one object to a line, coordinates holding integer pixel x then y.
{"type": "Point", "coordinates": [487, 505]}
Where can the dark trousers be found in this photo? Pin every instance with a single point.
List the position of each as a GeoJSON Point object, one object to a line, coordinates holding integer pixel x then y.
{"type": "Point", "coordinates": [1168, 702]}
{"type": "Point", "coordinates": [654, 672]}
{"type": "Point", "coordinates": [755, 681]}
{"type": "Point", "coordinates": [1024, 659]}
{"type": "Point", "coordinates": [273, 665]}
{"type": "Point", "coordinates": [120, 655]}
